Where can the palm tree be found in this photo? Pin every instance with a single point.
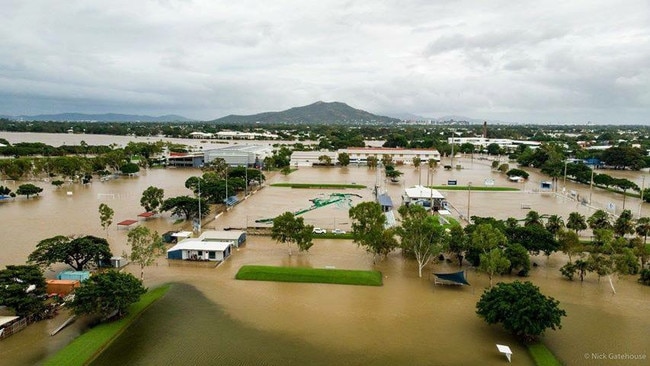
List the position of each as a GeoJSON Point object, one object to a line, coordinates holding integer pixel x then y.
{"type": "Point", "coordinates": [533, 219]}
{"type": "Point", "coordinates": [576, 222]}
{"type": "Point", "coordinates": [599, 220]}
{"type": "Point", "coordinates": [643, 228]}
{"type": "Point", "coordinates": [624, 224]}
{"type": "Point", "coordinates": [554, 224]}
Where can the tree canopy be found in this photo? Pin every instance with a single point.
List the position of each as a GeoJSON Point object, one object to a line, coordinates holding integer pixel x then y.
{"type": "Point", "coordinates": [185, 206]}
{"type": "Point", "coordinates": [289, 229]}
{"type": "Point", "coordinates": [152, 198]}
{"type": "Point", "coordinates": [521, 308]}
{"type": "Point", "coordinates": [22, 289]}
{"type": "Point", "coordinates": [106, 294]}
{"type": "Point", "coordinates": [145, 247]}
{"type": "Point", "coordinates": [78, 253]}
{"type": "Point", "coordinates": [28, 190]}
{"type": "Point", "coordinates": [368, 229]}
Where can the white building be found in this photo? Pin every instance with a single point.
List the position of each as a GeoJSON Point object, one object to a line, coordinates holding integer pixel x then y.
{"type": "Point", "coordinates": [239, 155]}
{"type": "Point", "coordinates": [198, 250]}
{"type": "Point", "coordinates": [359, 155]}
{"type": "Point", "coordinates": [237, 135]}
{"type": "Point", "coordinates": [483, 142]}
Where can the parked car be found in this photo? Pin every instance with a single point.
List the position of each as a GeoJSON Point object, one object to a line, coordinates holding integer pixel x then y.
{"type": "Point", "coordinates": [338, 231]}
{"type": "Point", "coordinates": [318, 230]}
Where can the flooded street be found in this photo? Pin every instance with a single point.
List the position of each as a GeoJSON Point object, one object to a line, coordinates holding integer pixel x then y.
{"type": "Point", "coordinates": [218, 320]}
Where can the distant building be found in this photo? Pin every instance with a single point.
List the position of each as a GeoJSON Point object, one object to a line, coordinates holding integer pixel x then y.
{"type": "Point", "coordinates": [482, 142]}
{"type": "Point", "coordinates": [240, 155]}
{"type": "Point", "coordinates": [360, 155]}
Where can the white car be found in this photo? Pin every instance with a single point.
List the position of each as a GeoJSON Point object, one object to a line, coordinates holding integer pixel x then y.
{"type": "Point", "coordinates": [338, 231]}
{"type": "Point", "coordinates": [318, 230]}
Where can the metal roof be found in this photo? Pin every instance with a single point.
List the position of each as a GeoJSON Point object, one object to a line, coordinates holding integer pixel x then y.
{"type": "Point", "coordinates": [195, 244]}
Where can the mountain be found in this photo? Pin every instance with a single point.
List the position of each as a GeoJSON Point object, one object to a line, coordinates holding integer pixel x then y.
{"type": "Point", "coordinates": [319, 112]}
{"type": "Point", "coordinates": [106, 117]}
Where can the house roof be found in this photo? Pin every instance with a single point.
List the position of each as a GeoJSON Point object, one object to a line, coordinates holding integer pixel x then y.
{"type": "Point", "coordinates": [182, 234]}
{"type": "Point", "coordinates": [7, 319]}
{"type": "Point", "coordinates": [384, 200]}
{"type": "Point", "coordinates": [146, 214]}
{"type": "Point", "coordinates": [127, 222]}
{"type": "Point", "coordinates": [422, 192]}
{"type": "Point", "coordinates": [212, 235]}
{"type": "Point", "coordinates": [195, 244]}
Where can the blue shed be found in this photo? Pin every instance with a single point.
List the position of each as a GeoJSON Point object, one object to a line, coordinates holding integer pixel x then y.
{"type": "Point", "coordinates": [74, 275]}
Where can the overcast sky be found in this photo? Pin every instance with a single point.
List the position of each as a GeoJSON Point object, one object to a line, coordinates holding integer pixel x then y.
{"type": "Point", "coordinates": [516, 61]}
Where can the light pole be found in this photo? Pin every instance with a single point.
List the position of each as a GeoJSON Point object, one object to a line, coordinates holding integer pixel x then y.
{"type": "Point", "coordinates": [564, 188]}
{"type": "Point", "coordinates": [591, 184]}
{"type": "Point", "coordinates": [469, 196]}
{"type": "Point", "coordinates": [642, 188]}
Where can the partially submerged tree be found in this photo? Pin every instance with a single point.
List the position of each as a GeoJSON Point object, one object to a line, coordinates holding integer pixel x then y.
{"type": "Point", "coordinates": [494, 262]}
{"type": "Point", "coordinates": [105, 216]}
{"type": "Point", "coordinates": [28, 190]}
{"type": "Point", "coordinates": [368, 229]}
{"type": "Point", "coordinates": [521, 308]}
{"type": "Point", "coordinates": [186, 207]}
{"type": "Point", "coordinates": [289, 229]}
{"type": "Point", "coordinates": [420, 237]}
{"type": "Point", "coordinates": [22, 289]}
{"type": "Point", "coordinates": [152, 198]}
{"type": "Point", "coordinates": [576, 222]}
{"type": "Point", "coordinates": [145, 247]}
{"type": "Point", "coordinates": [78, 253]}
{"type": "Point", "coordinates": [107, 294]}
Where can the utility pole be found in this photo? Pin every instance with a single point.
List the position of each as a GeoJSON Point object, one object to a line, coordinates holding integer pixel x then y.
{"type": "Point", "coordinates": [199, 226]}
{"type": "Point", "coordinates": [591, 184]}
{"type": "Point", "coordinates": [564, 188]}
{"type": "Point", "coordinates": [642, 188]}
{"type": "Point", "coordinates": [469, 196]}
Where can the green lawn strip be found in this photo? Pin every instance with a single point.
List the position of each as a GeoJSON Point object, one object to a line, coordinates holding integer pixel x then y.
{"type": "Point", "coordinates": [318, 185]}
{"type": "Point", "coordinates": [466, 188]}
{"type": "Point", "coordinates": [542, 355]}
{"type": "Point", "coordinates": [87, 346]}
{"type": "Point", "coordinates": [333, 236]}
{"type": "Point", "coordinates": [310, 275]}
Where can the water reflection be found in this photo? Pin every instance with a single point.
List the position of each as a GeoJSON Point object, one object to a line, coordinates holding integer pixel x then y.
{"type": "Point", "coordinates": [407, 321]}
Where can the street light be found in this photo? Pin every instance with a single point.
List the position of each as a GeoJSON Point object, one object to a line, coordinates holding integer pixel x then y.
{"type": "Point", "coordinates": [469, 197]}
{"type": "Point", "coordinates": [564, 188]}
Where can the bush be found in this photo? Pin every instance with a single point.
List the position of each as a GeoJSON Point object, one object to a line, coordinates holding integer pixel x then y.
{"type": "Point", "coordinates": [645, 277]}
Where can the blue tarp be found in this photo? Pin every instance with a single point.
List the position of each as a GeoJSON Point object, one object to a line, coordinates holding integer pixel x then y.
{"type": "Point", "coordinates": [456, 278]}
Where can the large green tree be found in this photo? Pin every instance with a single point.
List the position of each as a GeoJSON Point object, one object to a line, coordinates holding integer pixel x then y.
{"type": "Point", "coordinates": [368, 229]}
{"type": "Point", "coordinates": [22, 289]}
{"type": "Point", "coordinates": [186, 207]}
{"type": "Point", "coordinates": [77, 252]}
{"type": "Point", "coordinates": [28, 190]}
{"type": "Point", "coordinates": [152, 198]}
{"type": "Point", "coordinates": [145, 245]}
{"type": "Point", "coordinates": [107, 294]}
{"type": "Point", "coordinates": [289, 229]}
{"type": "Point", "coordinates": [419, 235]}
{"type": "Point", "coordinates": [521, 308]}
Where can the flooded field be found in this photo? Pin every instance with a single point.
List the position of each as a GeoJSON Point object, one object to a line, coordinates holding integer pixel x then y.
{"type": "Point", "coordinates": [210, 318]}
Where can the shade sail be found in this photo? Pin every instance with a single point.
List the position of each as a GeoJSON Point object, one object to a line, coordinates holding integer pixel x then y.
{"type": "Point", "coordinates": [455, 278]}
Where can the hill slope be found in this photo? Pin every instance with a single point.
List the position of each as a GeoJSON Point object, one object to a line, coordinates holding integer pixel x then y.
{"type": "Point", "coordinates": [319, 112]}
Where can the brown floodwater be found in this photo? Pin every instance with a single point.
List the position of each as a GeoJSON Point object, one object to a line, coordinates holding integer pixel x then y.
{"type": "Point", "coordinates": [406, 321]}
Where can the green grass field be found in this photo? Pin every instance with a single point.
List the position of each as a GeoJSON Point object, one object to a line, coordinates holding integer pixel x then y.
{"type": "Point", "coordinates": [318, 185]}
{"type": "Point", "coordinates": [87, 346]}
{"type": "Point", "coordinates": [310, 275]}
{"type": "Point", "coordinates": [542, 355]}
{"type": "Point", "coordinates": [466, 188]}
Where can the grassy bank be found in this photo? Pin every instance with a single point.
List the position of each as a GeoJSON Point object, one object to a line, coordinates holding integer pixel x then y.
{"type": "Point", "coordinates": [87, 346]}
{"type": "Point", "coordinates": [466, 188]}
{"type": "Point", "coordinates": [318, 185]}
{"type": "Point", "coordinates": [310, 275]}
{"type": "Point", "coordinates": [542, 355]}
